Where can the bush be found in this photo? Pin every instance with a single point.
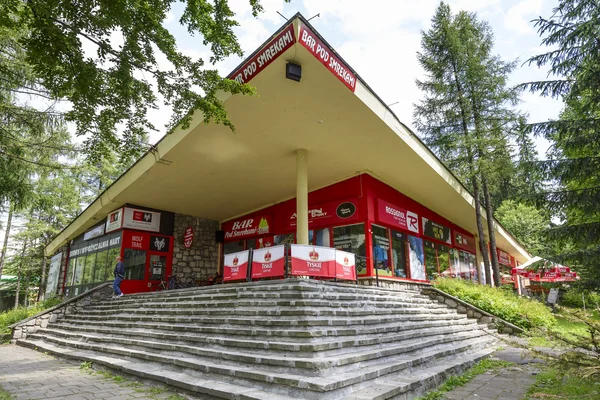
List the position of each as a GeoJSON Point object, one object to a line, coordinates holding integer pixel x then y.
{"type": "Point", "coordinates": [520, 311]}
{"type": "Point", "coordinates": [574, 298]}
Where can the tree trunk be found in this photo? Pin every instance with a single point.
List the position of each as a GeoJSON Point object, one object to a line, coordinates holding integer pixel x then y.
{"type": "Point", "coordinates": [41, 290]}
{"type": "Point", "coordinates": [490, 220]}
{"type": "Point", "coordinates": [481, 233]}
{"type": "Point", "coordinates": [19, 273]}
{"type": "Point", "coordinates": [6, 235]}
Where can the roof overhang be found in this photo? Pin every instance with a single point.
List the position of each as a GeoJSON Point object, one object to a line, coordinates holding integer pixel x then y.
{"type": "Point", "coordinates": [209, 171]}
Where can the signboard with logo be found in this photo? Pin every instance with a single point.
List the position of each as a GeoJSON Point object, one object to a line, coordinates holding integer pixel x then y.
{"type": "Point", "coordinates": [268, 262]}
{"type": "Point", "coordinates": [114, 220]}
{"type": "Point", "coordinates": [160, 243]}
{"type": "Point", "coordinates": [137, 241]}
{"type": "Point", "coordinates": [265, 56]}
{"type": "Point", "coordinates": [326, 56]}
{"type": "Point", "coordinates": [397, 216]}
{"type": "Point", "coordinates": [345, 265]}
{"type": "Point", "coordinates": [465, 242]}
{"type": "Point", "coordinates": [235, 266]}
{"type": "Point", "coordinates": [188, 237]}
{"type": "Point", "coordinates": [503, 257]}
{"type": "Point", "coordinates": [328, 214]}
{"type": "Point", "coordinates": [141, 219]}
{"type": "Point", "coordinates": [313, 261]}
{"type": "Point", "coordinates": [258, 224]}
{"type": "Point", "coordinates": [436, 231]}
{"type": "Point", "coordinates": [94, 232]}
{"type": "Point", "coordinates": [104, 242]}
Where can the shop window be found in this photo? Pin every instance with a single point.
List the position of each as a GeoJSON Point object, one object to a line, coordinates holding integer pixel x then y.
{"type": "Point", "coordinates": [381, 250]}
{"type": "Point", "coordinates": [158, 267]}
{"type": "Point", "coordinates": [321, 237]}
{"type": "Point", "coordinates": [473, 267]}
{"type": "Point", "coordinates": [70, 271]}
{"type": "Point", "coordinates": [88, 273]}
{"type": "Point", "coordinates": [416, 258]}
{"type": "Point", "coordinates": [233, 247]}
{"type": "Point", "coordinates": [79, 267]}
{"type": "Point", "coordinates": [431, 260]}
{"type": "Point", "coordinates": [399, 254]}
{"type": "Point", "coordinates": [352, 239]}
{"type": "Point", "coordinates": [283, 239]}
{"type": "Point", "coordinates": [134, 262]}
{"type": "Point", "coordinates": [101, 266]}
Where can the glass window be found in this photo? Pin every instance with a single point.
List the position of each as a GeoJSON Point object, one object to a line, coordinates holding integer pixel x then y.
{"type": "Point", "coordinates": [101, 266]}
{"type": "Point", "coordinates": [88, 273]}
{"type": "Point", "coordinates": [399, 254]}
{"type": "Point", "coordinates": [473, 267]}
{"type": "Point", "coordinates": [416, 258]}
{"type": "Point", "coordinates": [352, 239]}
{"type": "Point", "coordinates": [443, 256]}
{"type": "Point", "coordinates": [283, 239]}
{"type": "Point", "coordinates": [79, 267]}
{"type": "Point", "coordinates": [431, 260]}
{"type": "Point", "coordinates": [455, 270]}
{"type": "Point", "coordinates": [233, 247]}
{"type": "Point", "coordinates": [70, 271]}
{"type": "Point", "coordinates": [135, 264]}
{"type": "Point", "coordinates": [322, 237]}
{"type": "Point", "coordinates": [381, 250]}
{"type": "Point", "coordinates": [111, 262]}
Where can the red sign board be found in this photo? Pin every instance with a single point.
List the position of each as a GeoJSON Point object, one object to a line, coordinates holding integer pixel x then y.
{"type": "Point", "coordinates": [268, 262]}
{"type": "Point", "coordinates": [188, 237]}
{"type": "Point", "coordinates": [503, 257]}
{"type": "Point", "coordinates": [313, 261]}
{"type": "Point", "coordinates": [235, 266]}
{"type": "Point", "coordinates": [135, 240]}
{"type": "Point", "coordinates": [345, 265]}
{"type": "Point", "coordinates": [327, 57]}
{"type": "Point", "coordinates": [397, 216]}
{"type": "Point", "coordinates": [265, 56]}
{"type": "Point", "coordinates": [336, 212]}
{"type": "Point", "coordinates": [259, 224]}
{"type": "Point", "coordinates": [464, 242]}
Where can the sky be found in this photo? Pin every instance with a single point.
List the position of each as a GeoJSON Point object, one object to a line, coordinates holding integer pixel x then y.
{"type": "Point", "coordinates": [379, 39]}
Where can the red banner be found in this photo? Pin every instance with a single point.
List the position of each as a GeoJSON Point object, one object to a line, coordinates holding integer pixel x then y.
{"type": "Point", "coordinates": [268, 262]}
{"type": "Point", "coordinates": [313, 261]}
{"type": "Point", "coordinates": [326, 56]}
{"type": "Point", "coordinates": [328, 214]}
{"type": "Point", "coordinates": [265, 56]}
{"type": "Point", "coordinates": [188, 237]}
{"type": "Point", "coordinates": [235, 266]}
{"type": "Point", "coordinates": [397, 216]}
{"type": "Point", "coordinates": [258, 224]}
{"type": "Point", "coordinates": [345, 265]}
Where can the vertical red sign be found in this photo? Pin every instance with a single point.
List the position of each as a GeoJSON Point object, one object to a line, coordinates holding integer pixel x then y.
{"type": "Point", "coordinates": [188, 237]}
{"type": "Point", "coordinates": [345, 265]}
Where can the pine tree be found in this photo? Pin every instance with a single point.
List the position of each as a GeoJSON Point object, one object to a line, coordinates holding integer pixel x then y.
{"type": "Point", "coordinates": [466, 115]}
{"type": "Point", "coordinates": [574, 159]}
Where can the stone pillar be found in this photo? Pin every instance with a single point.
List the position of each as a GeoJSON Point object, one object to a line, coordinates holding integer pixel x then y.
{"type": "Point", "coordinates": [301, 196]}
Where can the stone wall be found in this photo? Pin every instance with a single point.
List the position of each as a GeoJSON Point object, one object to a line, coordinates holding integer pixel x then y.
{"type": "Point", "coordinates": [202, 259]}
{"type": "Point", "coordinates": [32, 324]}
{"type": "Point", "coordinates": [394, 284]}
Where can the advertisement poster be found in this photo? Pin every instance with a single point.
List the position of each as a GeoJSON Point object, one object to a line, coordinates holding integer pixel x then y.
{"type": "Point", "coordinates": [313, 261]}
{"type": "Point", "coordinates": [417, 258]}
{"type": "Point", "coordinates": [464, 242]}
{"type": "Point", "coordinates": [436, 231]}
{"type": "Point", "coordinates": [327, 214]}
{"type": "Point", "coordinates": [345, 265]}
{"type": "Point", "coordinates": [114, 220]}
{"type": "Point", "coordinates": [235, 267]}
{"type": "Point", "coordinates": [141, 219]}
{"type": "Point", "coordinates": [268, 262]}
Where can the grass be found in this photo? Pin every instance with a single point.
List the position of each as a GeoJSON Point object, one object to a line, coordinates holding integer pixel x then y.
{"type": "Point", "coordinates": [551, 384]}
{"type": "Point", "coordinates": [565, 328]}
{"type": "Point", "coordinates": [520, 311]}
{"type": "Point", "coordinates": [4, 395]}
{"type": "Point", "coordinates": [456, 381]}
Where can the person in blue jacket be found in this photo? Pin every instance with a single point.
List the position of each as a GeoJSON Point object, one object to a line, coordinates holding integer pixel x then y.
{"type": "Point", "coordinates": [119, 276]}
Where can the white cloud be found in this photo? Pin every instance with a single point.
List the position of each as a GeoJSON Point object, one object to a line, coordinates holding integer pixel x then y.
{"type": "Point", "coordinates": [518, 18]}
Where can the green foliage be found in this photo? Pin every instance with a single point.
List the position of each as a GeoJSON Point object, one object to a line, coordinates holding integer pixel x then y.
{"type": "Point", "coordinates": [4, 395]}
{"type": "Point", "coordinates": [527, 223]}
{"type": "Point", "coordinates": [520, 311]}
{"type": "Point", "coordinates": [575, 298]}
{"type": "Point", "coordinates": [136, 60]}
{"type": "Point", "coordinates": [86, 365]}
{"type": "Point", "coordinates": [553, 383]}
{"type": "Point", "coordinates": [456, 381]}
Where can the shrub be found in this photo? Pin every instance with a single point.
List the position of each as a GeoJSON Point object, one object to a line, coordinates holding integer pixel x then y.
{"type": "Point", "coordinates": [574, 298]}
{"type": "Point", "coordinates": [10, 317]}
{"type": "Point", "coordinates": [520, 311]}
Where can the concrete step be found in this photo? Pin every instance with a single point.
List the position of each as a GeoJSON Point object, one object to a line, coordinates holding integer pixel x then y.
{"type": "Point", "coordinates": [317, 387]}
{"type": "Point", "coordinates": [308, 356]}
{"type": "Point", "coordinates": [306, 335]}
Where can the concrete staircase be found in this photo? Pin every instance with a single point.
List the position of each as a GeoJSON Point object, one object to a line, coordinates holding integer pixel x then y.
{"type": "Point", "coordinates": [294, 338]}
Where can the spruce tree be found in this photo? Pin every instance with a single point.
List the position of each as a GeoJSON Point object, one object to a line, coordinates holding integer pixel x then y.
{"type": "Point", "coordinates": [573, 165]}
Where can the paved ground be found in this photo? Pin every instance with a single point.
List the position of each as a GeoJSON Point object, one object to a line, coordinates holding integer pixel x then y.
{"type": "Point", "coordinates": [506, 384]}
{"type": "Point", "coordinates": [29, 374]}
